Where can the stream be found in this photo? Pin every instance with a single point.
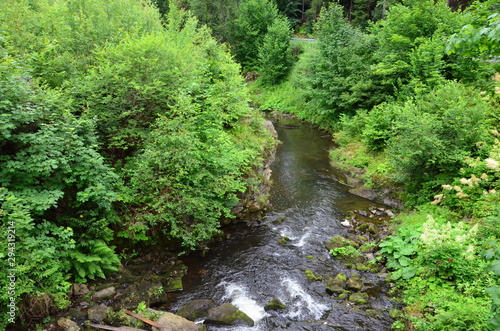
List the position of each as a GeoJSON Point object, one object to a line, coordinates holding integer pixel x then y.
{"type": "Point", "coordinates": [251, 267]}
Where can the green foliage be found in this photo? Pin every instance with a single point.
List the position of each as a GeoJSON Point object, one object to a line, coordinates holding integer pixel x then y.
{"type": "Point", "coordinates": [480, 38]}
{"type": "Point", "coordinates": [311, 276]}
{"type": "Point", "coordinates": [62, 35]}
{"type": "Point", "coordinates": [436, 133]}
{"type": "Point", "coordinates": [56, 189]}
{"type": "Point", "coordinates": [38, 256]}
{"type": "Point", "coordinates": [253, 19]}
{"type": "Point", "coordinates": [337, 76]}
{"type": "Point", "coordinates": [346, 251]}
{"type": "Point", "coordinates": [187, 177]}
{"type": "Point", "coordinates": [475, 193]}
{"type": "Point", "coordinates": [442, 270]}
{"type": "Point", "coordinates": [218, 15]}
{"type": "Point", "coordinates": [275, 56]}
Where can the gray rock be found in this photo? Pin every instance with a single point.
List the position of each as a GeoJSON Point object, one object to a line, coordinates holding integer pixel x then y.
{"type": "Point", "coordinates": [359, 298]}
{"type": "Point", "coordinates": [363, 213]}
{"type": "Point", "coordinates": [98, 313]}
{"type": "Point", "coordinates": [171, 322]}
{"type": "Point", "coordinates": [67, 324]}
{"type": "Point", "coordinates": [334, 285]}
{"type": "Point", "coordinates": [227, 314]}
{"type": "Point", "coordinates": [354, 284]}
{"type": "Point", "coordinates": [105, 294]}
{"type": "Point", "coordinates": [274, 304]}
{"type": "Point", "coordinates": [196, 309]}
{"type": "Point", "coordinates": [79, 289]}
{"type": "Point", "coordinates": [389, 213]}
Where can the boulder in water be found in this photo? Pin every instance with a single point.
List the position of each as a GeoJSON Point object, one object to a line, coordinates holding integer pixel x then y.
{"type": "Point", "coordinates": [354, 284]}
{"type": "Point", "coordinates": [196, 309]}
{"type": "Point", "coordinates": [227, 314]}
{"type": "Point", "coordinates": [170, 321]}
{"type": "Point", "coordinates": [334, 285]}
{"type": "Point", "coordinates": [359, 298]}
{"type": "Point", "coordinates": [274, 304]}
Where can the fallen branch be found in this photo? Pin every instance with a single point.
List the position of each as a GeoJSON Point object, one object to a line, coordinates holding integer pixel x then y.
{"type": "Point", "coordinates": [144, 319]}
{"type": "Point", "coordinates": [113, 328]}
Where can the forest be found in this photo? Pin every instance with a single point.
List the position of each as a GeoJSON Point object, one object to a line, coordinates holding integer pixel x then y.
{"type": "Point", "coordinates": [129, 123]}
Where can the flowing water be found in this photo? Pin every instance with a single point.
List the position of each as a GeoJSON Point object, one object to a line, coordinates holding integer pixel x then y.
{"type": "Point", "coordinates": [251, 267]}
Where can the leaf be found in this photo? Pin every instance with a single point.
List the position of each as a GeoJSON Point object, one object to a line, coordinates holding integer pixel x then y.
{"type": "Point", "coordinates": [404, 261]}
{"type": "Point", "coordinates": [408, 273]}
{"type": "Point", "coordinates": [495, 267]}
{"type": "Point", "coordinates": [409, 250]}
{"type": "Point", "coordinates": [489, 254]}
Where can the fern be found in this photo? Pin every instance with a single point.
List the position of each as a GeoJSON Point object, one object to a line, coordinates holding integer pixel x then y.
{"type": "Point", "coordinates": [93, 259]}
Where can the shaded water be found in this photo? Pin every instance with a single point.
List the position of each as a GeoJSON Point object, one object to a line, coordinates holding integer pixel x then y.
{"type": "Point", "coordinates": [251, 267]}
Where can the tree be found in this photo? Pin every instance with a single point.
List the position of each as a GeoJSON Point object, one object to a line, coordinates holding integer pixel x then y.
{"type": "Point", "coordinates": [481, 38]}
{"type": "Point", "coordinates": [248, 30]}
{"type": "Point", "coordinates": [275, 55]}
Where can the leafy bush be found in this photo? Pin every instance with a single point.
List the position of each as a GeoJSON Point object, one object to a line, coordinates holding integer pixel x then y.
{"type": "Point", "coordinates": [247, 32]}
{"type": "Point", "coordinates": [275, 56]}
{"type": "Point", "coordinates": [441, 267]}
{"type": "Point", "coordinates": [337, 78]}
{"type": "Point", "coordinates": [436, 133]}
{"type": "Point", "coordinates": [56, 191]}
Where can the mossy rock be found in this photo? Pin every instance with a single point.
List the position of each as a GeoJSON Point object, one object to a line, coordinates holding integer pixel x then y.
{"type": "Point", "coordinates": [99, 313]}
{"type": "Point", "coordinates": [196, 309]}
{"type": "Point", "coordinates": [227, 314]}
{"type": "Point", "coordinates": [170, 321]}
{"type": "Point", "coordinates": [344, 295]}
{"type": "Point", "coordinates": [362, 267]}
{"type": "Point", "coordinates": [284, 240]}
{"type": "Point", "coordinates": [359, 298]}
{"type": "Point", "coordinates": [280, 219]}
{"type": "Point", "coordinates": [334, 285]}
{"type": "Point", "coordinates": [354, 284]}
{"type": "Point", "coordinates": [311, 276]}
{"type": "Point", "coordinates": [339, 241]}
{"type": "Point", "coordinates": [367, 228]}
{"type": "Point", "coordinates": [342, 276]}
{"type": "Point", "coordinates": [274, 304]}
{"type": "Point", "coordinates": [174, 285]}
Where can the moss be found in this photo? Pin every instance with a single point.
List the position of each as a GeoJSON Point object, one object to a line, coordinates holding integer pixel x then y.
{"type": "Point", "coordinates": [359, 298]}
{"type": "Point", "coordinates": [283, 240]}
{"type": "Point", "coordinates": [275, 304]}
{"type": "Point", "coordinates": [342, 276]}
{"type": "Point", "coordinates": [311, 276]}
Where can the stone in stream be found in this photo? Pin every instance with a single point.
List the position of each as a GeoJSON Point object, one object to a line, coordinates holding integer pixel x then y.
{"type": "Point", "coordinates": [170, 321]}
{"type": "Point", "coordinates": [359, 298]}
{"type": "Point", "coordinates": [196, 309]}
{"type": "Point", "coordinates": [227, 314]}
{"type": "Point", "coordinates": [334, 285]}
{"type": "Point", "coordinates": [363, 213]}
{"type": "Point", "coordinates": [274, 304]}
{"type": "Point", "coordinates": [354, 284]}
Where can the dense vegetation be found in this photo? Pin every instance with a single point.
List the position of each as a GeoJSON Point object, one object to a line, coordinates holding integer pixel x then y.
{"type": "Point", "coordinates": [115, 127]}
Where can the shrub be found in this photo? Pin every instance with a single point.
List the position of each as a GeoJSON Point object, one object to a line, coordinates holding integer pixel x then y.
{"type": "Point", "coordinates": [275, 57]}
{"type": "Point", "coordinates": [436, 133]}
